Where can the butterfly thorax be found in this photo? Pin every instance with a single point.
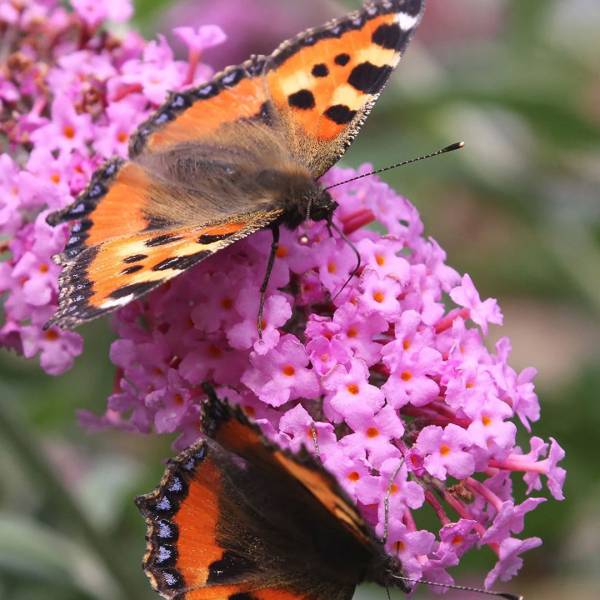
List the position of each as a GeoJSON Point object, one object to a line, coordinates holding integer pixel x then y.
{"type": "Point", "coordinates": [298, 194]}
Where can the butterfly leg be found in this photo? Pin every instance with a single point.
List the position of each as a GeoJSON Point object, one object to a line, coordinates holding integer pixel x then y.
{"type": "Point", "coordinates": [265, 283]}
{"type": "Point", "coordinates": [333, 227]}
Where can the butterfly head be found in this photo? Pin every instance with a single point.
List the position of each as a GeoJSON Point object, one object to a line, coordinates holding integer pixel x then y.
{"type": "Point", "coordinates": [298, 194]}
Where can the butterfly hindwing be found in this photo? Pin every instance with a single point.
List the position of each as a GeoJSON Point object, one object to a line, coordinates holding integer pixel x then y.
{"type": "Point", "coordinates": [234, 432]}
{"type": "Point", "coordinates": [235, 94]}
{"type": "Point", "coordinates": [232, 520]}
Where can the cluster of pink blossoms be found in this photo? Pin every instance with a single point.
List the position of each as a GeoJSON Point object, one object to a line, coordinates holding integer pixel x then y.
{"type": "Point", "coordinates": [387, 379]}
{"type": "Point", "coordinates": [70, 96]}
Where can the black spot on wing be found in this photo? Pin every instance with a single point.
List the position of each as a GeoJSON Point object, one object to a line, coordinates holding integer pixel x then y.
{"type": "Point", "coordinates": [320, 70]}
{"type": "Point", "coordinates": [137, 289]}
{"type": "Point", "coordinates": [369, 78]}
{"type": "Point", "coordinates": [131, 270]}
{"type": "Point", "coordinates": [303, 99]}
{"type": "Point", "coordinates": [242, 596]}
{"type": "Point", "coordinates": [342, 59]}
{"type": "Point", "coordinates": [135, 258]}
{"type": "Point", "coordinates": [181, 263]}
{"type": "Point", "coordinates": [388, 36]}
{"type": "Point", "coordinates": [340, 114]}
{"type": "Point", "coordinates": [230, 567]}
{"type": "Point", "coordinates": [162, 240]}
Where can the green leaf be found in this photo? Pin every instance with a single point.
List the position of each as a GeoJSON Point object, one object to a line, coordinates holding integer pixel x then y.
{"type": "Point", "coordinates": [33, 551]}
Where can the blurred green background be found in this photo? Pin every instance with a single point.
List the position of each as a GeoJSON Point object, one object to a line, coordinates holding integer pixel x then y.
{"type": "Point", "coordinates": [518, 208]}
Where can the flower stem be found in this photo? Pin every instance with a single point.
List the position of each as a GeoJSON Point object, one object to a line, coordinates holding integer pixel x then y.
{"type": "Point", "coordinates": [42, 474]}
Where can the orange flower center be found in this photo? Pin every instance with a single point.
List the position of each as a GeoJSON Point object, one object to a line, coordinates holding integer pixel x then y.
{"type": "Point", "coordinates": [353, 388]}
{"type": "Point", "coordinates": [282, 252]}
{"type": "Point", "coordinates": [354, 476]}
{"type": "Point", "coordinates": [486, 420]}
{"type": "Point", "coordinates": [288, 370]}
{"type": "Point", "coordinates": [372, 432]}
{"type": "Point", "coordinates": [178, 398]}
{"type": "Point", "coordinates": [331, 267]}
{"type": "Point", "coordinates": [399, 546]}
{"type": "Point", "coordinates": [406, 344]}
{"type": "Point", "coordinates": [406, 375]}
{"type": "Point", "coordinates": [352, 332]}
{"type": "Point", "coordinates": [69, 131]}
{"type": "Point", "coordinates": [380, 260]}
{"type": "Point", "coordinates": [215, 351]}
{"type": "Point", "coordinates": [122, 137]}
{"type": "Point", "coordinates": [55, 178]}
{"type": "Point", "coordinates": [51, 335]}
{"type": "Point", "coordinates": [43, 268]}
{"type": "Point", "coordinates": [444, 450]}
{"type": "Point", "coordinates": [379, 297]}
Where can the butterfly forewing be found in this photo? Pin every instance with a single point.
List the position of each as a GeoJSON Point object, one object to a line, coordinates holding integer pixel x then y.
{"type": "Point", "coordinates": [325, 81]}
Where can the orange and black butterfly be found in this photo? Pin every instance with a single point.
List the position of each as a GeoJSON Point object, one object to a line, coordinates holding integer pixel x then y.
{"type": "Point", "coordinates": [235, 518]}
{"type": "Point", "coordinates": [223, 160]}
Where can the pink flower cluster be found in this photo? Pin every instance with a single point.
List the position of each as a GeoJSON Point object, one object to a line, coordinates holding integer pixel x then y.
{"type": "Point", "coordinates": [387, 379]}
{"type": "Point", "coordinates": [70, 95]}
{"type": "Point", "coordinates": [384, 376]}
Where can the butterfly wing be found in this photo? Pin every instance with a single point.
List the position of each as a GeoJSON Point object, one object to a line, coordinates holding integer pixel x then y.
{"type": "Point", "coordinates": [325, 81]}
{"type": "Point", "coordinates": [232, 430]}
{"type": "Point", "coordinates": [316, 89]}
{"type": "Point", "coordinates": [139, 224]}
{"type": "Point", "coordinates": [206, 540]}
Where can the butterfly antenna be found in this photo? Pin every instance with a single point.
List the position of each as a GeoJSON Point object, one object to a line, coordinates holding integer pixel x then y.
{"type": "Point", "coordinates": [450, 148]}
{"type": "Point", "coordinates": [461, 588]}
{"type": "Point", "coordinates": [386, 502]}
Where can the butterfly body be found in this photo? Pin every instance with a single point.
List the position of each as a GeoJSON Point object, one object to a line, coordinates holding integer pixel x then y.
{"type": "Point", "coordinates": [236, 518]}
{"type": "Point", "coordinates": [237, 154]}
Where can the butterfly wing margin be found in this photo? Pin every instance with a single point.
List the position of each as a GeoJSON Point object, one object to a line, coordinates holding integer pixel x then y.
{"type": "Point", "coordinates": [191, 519]}
{"type": "Point", "coordinates": [111, 274]}
{"type": "Point", "coordinates": [326, 80]}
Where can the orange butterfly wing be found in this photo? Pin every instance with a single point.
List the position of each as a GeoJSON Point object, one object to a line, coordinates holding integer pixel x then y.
{"type": "Point", "coordinates": [317, 88]}
{"type": "Point", "coordinates": [203, 545]}
{"type": "Point", "coordinates": [120, 269]}
{"type": "Point", "coordinates": [326, 80]}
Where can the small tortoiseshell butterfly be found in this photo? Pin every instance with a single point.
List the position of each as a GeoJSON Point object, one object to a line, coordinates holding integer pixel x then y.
{"type": "Point", "coordinates": [235, 518]}
{"type": "Point", "coordinates": [223, 160]}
